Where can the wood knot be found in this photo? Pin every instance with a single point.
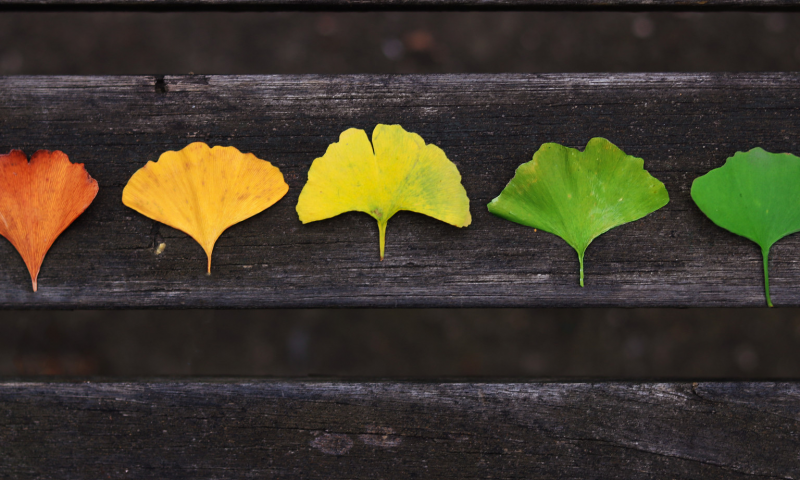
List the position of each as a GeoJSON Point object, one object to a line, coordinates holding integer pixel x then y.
{"type": "Point", "coordinates": [332, 444]}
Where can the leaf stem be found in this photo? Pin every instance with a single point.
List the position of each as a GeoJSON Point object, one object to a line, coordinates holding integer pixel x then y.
{"type": "Point", "coordinates": [580, 259]}
{"type": "Point", "coordinates": [382, 233]}
{"type": "Point", "coordinates": [765, 255]}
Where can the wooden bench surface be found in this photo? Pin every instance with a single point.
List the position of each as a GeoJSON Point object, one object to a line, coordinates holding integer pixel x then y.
{"type": "Point", "coordinates": [233, 429]}
{"type": "Point", "coordinates": [183, 5]}
{"type": "Point", "coordinates": [683, 125]}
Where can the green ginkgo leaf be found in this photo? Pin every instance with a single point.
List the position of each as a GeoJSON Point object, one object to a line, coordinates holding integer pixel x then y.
{"type": "Point", "coordinates": [756, 194]}
{"type": "Point", "coordinates": [580, 195]}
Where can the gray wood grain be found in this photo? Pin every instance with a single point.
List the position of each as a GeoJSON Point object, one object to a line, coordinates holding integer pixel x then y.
{"type": "Point", "coordinates": [244, 428]}
{"type": "Point", "coordinates": [702, 5]}
{"type": "Point", "coordinates": [682, 125]}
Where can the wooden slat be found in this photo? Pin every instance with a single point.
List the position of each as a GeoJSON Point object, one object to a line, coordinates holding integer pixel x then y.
{"type": "Point", "coordinates": [390, 430]}
{"type": "Point", "coordinates": [643, 5]}
{"type": "Point", "coordinates": [682, 125]}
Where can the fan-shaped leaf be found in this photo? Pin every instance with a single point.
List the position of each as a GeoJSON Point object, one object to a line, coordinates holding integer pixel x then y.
{"type": "Point", "coordinates": [756, 194]}
{"type": "Point", "coordinates": [579, 195]}
{"type": "Point", "coordinates": [39, 200]}
{"type": "Point", "coordinates": [202, 191]}
{"type": "Point", "coordinates": [401, 173]}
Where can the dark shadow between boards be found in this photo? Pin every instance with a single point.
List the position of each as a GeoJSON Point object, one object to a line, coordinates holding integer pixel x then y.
{"type": "Point", "coordinates": [421, 343]}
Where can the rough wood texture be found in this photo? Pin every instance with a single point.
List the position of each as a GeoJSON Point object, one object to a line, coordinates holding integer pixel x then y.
{"type": "Point", "coordinates": [330, 430]}
{"type": "Point", "coordinates": [682, 125]}
{"type": "Point", "coordinates": [405, 4]}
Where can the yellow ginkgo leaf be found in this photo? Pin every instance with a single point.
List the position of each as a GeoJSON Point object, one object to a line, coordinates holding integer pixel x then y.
{"type": "Point", "coordinates": [202, 191]}
{"type": "Point", "coordinates": [396, 172]}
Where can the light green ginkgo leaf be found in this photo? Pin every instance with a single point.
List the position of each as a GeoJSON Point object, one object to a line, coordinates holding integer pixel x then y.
{"type": "Point", "coordinates": [756, 194]}
{"type": "Point", "coordinates": [580, 195]}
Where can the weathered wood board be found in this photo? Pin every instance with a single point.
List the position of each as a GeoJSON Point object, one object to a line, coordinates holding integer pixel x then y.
{"type": "Point", "coordinates": [395, 430]}
{"type": "Point", "coordinates": [682, 125]}
{"type": "Point", "coordinates": [639, 5]}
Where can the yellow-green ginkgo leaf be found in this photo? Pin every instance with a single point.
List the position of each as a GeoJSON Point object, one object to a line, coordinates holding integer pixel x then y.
{"type": "Point", "coordinates": [202, 191]}
{"type": "Point", "coordinates": [396, 172]}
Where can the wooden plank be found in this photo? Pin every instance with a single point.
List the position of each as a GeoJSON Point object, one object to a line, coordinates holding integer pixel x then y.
{"type": "Point", "coordinates": [682, 125]}
{"type": "Point", "coordinates": [639, 5]}
{"type": "Point", "coordinates": [390, 430]}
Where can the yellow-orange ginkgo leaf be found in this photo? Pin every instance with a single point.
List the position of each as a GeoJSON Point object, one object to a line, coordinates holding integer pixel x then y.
{"type": "Point", "coordinates": [398, 171]}
{"type": "Point", "coordinates": [202, 191]}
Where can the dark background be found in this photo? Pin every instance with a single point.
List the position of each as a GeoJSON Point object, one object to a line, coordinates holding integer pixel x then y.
{"type": "Point", "coordinates": [755, 343]}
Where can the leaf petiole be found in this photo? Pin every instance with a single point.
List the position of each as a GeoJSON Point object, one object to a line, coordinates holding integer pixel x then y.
{"type": "Point", "coordinates": [765, 255]}
{"type": "Point", "coordinates": [382, 233]}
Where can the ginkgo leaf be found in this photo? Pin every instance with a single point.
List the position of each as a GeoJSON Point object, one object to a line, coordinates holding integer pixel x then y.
{"type": "Point", "coordinates": [398, 171]}
{"type": "Point", "coordinates": [756, 194]}
{"type": "Point", "coordinates": [202, 191]}
{"type": "Point", "coordinates": [39, 200]}
{"type": "Point", "coordinates": [580, 195]}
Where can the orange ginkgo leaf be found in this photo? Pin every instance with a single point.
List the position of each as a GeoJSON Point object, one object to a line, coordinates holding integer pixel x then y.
{"type": "Point", "coordinates": [202, 191]}
{"type": "Point", "coordinates": [39, 199]}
